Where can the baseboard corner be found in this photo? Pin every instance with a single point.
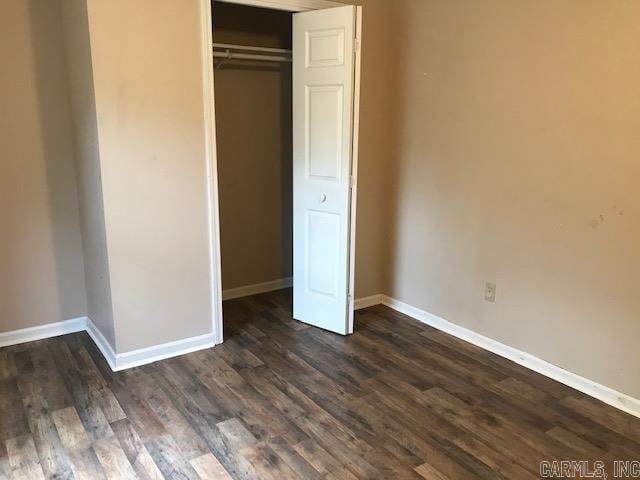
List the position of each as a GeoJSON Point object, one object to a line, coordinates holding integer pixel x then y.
{"type": "Point", "coordinates": [370, 301]}
{"type": "Point", "coordinates": [102, 343]}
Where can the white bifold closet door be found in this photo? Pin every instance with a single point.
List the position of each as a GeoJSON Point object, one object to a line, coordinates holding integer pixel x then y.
{"type": "Point", "coordinates": [324, 65]}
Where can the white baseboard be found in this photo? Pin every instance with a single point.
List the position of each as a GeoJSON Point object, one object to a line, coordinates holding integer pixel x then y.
{"type": "Point", "coordinates": [365, 302]}
{"type": "Point", "coordinates": [144, 356]}
{"type": "Point", "coordinates": [248, 290]}
{"type": "Point", "coordinates": [612, 397]}
{"type": "Point", "coordinates": [103, 345]}
{"type": "Point", "coordinates": [42, 331]}
{"type": "Point", "coordinates": [152, 354]}
{"type": "Point", "coordinates": [117, 361]}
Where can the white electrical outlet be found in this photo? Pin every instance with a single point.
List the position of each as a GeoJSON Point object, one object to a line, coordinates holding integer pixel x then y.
{"type": "Point", "coordinates": [490, 292]}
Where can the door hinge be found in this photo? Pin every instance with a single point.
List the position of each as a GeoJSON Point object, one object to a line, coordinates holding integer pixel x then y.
{"type": "Point", "coordinates": [349, 298]}
{"type": "Point", "coordinates": [352, 181]}
{"type": "Point", "coordinates": [356, 44]}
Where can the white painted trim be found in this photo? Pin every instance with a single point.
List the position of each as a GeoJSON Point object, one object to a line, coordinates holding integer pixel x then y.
{"type": "Point", "coordinates": [353, 181]}
{"type": "Point", "coordinates": [117, 362]}
{"type": "Point", "coordinates": [248, 290]}
{"type": "Point", "coordinates": [609, 396]}
{"type": "Point", "coordinates": [49, 330]}
{"type": "Point", "coordinates": [152, 354]}
{"type": "Point", "coordinates": [365, 302]}
{"type": "Point", "coordinates": [288, 5]}
{"type": "Point", "coordinates": [211, 159]}
{"type": "Point", "coordinates": [206, 37]}
{"type": "Point", "coordinates": [144, 356]}
{"type": "Point", "coordinates": [103, 345]}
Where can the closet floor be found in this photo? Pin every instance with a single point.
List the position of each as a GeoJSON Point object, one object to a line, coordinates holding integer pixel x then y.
{"type": "Point", "coordinates": [280, 400]}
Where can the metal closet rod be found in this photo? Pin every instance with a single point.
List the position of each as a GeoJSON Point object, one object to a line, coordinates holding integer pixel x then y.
{"type": "Point", "coordinates": [281, 54]}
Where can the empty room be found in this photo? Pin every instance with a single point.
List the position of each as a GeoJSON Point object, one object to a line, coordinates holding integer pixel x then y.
{"type": "Point", "coordinates": [319, 239]}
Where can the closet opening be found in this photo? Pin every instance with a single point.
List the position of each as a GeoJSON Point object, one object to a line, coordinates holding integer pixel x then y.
{"type": "Point", "coordinates": [286, 91]}
{"type": "Point", "coordinates": [253, 105]}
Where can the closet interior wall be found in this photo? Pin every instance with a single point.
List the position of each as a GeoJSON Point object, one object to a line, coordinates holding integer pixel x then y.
{"type": "Point", "coordinates": [254, 148]}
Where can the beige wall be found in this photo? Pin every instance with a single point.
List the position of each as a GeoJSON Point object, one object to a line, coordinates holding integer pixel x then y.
{"type": "Point", "coordinates": [498, 143]}
{"type": "Point", "coordinates": [516, 161]}
{"type": "Point", "coordinates": [41, 269]}
{"type": "Point", "coordinates": [150, 118]}
{"type": "Point", "coordinates": [253, 123]}
{"type": "Point", "coordinates": [94, 246]}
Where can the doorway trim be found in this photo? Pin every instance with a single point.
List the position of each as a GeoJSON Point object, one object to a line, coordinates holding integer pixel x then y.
{"type": "Point", "coordinates": [288, 5]}
{"type": "Point", "coordinates": [211, 154]}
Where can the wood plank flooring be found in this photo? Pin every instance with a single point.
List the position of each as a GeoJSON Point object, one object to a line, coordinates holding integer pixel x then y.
{"type": "Point", "coordinates": [282, 400]}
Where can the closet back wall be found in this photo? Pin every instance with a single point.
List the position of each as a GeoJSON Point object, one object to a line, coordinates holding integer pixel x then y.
{"type": "Point", "coordinates": [253, 122]}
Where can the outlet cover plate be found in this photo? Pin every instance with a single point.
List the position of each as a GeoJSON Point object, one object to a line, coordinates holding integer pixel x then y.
{"type": "Point", "coordinates": [490, 292]}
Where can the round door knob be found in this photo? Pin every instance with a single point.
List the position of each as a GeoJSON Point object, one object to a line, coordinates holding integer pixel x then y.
{"type": "Point", "coordinates": [323, 198]}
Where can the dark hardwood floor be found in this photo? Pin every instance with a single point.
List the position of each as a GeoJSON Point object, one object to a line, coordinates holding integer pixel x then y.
{"type": "Point", "coordinates": [283, 400]}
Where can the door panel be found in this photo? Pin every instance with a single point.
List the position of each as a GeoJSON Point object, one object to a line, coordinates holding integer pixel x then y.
{"type": "Point", "coordinates": [324, 107]}
{"type": "Point", "coordinates": [323, 241]}
{"type": "Point", "coordinates": [323, 92]}
{"type": "Point", "coordinates": [324, 48]}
